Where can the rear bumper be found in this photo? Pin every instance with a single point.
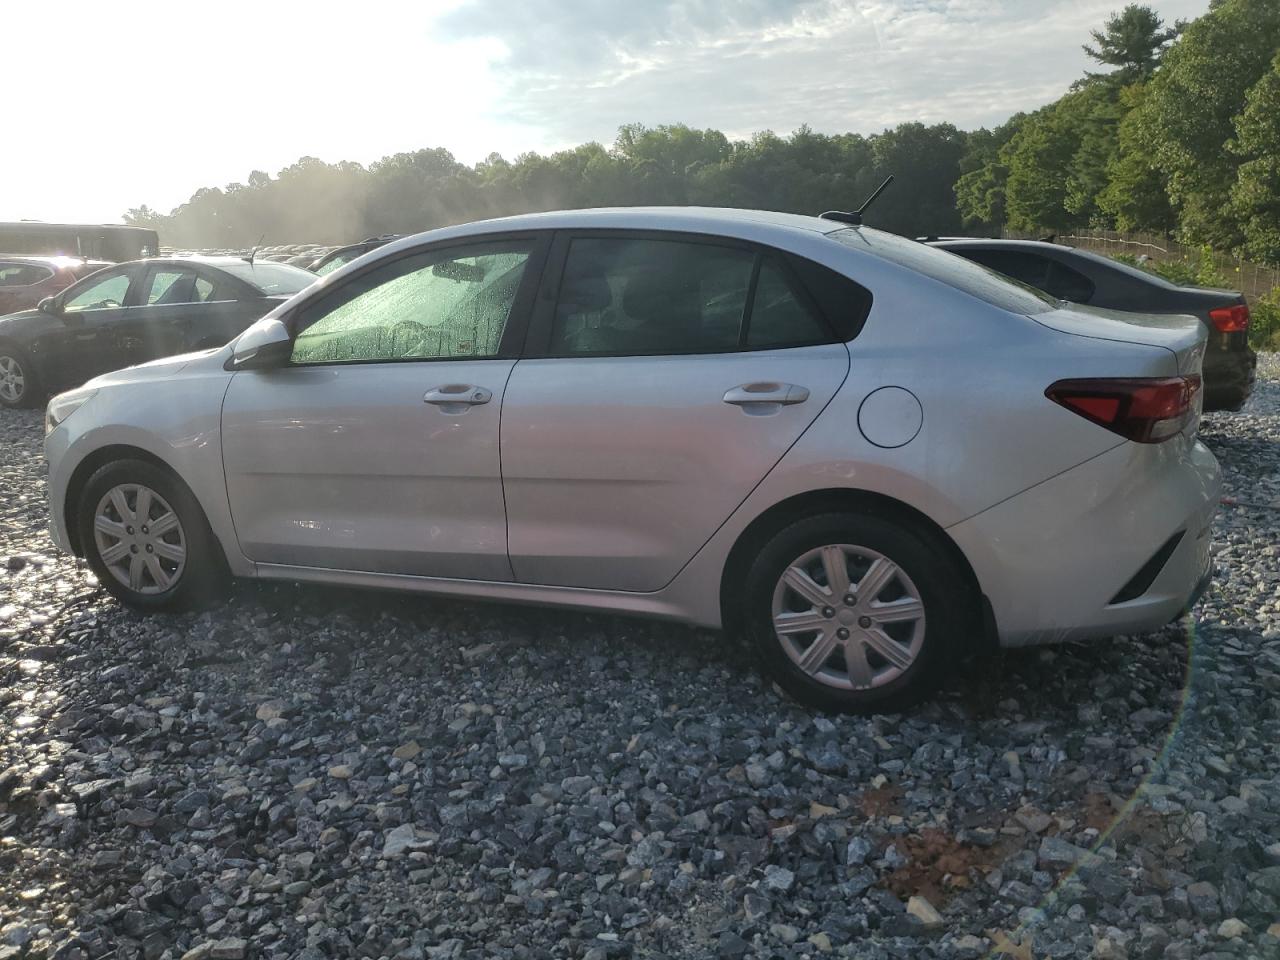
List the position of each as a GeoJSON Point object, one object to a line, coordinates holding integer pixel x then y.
{"type": "Point", "coordinates": [1228, 378]}
{"type": "Point", "coordinates": [1053, 559]}
{"type": "Point", "coordinates": [1201, 589]}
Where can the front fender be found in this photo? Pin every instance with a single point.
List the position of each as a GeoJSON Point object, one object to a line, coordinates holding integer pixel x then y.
{"type": "Point", "coordinates": [177, 422]}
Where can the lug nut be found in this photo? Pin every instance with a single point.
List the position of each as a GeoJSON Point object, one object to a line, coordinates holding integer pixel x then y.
{"type": "Point", "coordinates": [863, 622]}
{"type": "Point", "coordinates": [849, 599]}
{"type": "Point", "coordinates": [828, 612]}
{"type": "Point", "coordinates": [150, 548]}
{"type": "Point", "coordinates": [842, 633]}
{"type": "Point", "coordinates": [133, 548]}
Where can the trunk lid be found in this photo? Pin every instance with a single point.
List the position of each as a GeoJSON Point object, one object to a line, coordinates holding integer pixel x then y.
{"type": "Point", "coordinates": [1184, 336]}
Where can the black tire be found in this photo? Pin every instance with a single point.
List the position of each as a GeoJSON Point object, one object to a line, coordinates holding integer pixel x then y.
{"type": "Point", "coordinates": [31, 393]}
{"type": "Point", "coordinates": [202, 577]}
{"type": "Point", "coordinates": [944, 592]}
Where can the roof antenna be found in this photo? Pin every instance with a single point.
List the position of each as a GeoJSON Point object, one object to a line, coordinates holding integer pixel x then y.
{"type": "Point", "coordinates": [254, 252]}
{"type": "Point", "coordinates": [855, 216]}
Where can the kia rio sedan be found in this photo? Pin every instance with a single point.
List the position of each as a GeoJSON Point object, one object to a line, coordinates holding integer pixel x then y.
{"type": "Point", "coordinates": [865, 455]}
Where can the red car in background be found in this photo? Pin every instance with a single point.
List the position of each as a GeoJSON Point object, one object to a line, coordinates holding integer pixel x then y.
{"type": "Point", "coordinates": [25, 281]}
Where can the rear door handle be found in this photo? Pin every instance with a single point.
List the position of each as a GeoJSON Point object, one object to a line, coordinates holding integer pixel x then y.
{"type": "Point", "coordinates": [457, 395]}
{"type": "Point", "coordinates": [753, 394]}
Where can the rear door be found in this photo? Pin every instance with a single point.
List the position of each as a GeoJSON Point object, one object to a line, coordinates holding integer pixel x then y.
{"type": "Point", "coordinates": [172, 295]}
{"type": "Point", "coordinates": [665, 376]}
{"type": "Point", "coordinates": [185, 307]}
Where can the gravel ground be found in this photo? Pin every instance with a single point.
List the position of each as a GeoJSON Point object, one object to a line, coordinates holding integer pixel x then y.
{"type": "Point", "coordinates": [317, 773]}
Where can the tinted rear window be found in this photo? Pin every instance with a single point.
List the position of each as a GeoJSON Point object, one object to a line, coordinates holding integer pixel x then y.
{"type": "Point", "coordinates": [273, 279]}
{"type": "Point", "coordinates": [964, 275]}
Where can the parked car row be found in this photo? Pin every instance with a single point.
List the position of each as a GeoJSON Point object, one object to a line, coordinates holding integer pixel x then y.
{"type": "Point", "coordinates": [131, 313]}
{"type": "Point", "coordinates": [865, 454]}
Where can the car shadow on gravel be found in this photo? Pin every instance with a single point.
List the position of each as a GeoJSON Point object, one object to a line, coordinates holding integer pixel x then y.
{"type": "Point", "coordinates": [1032, 682]}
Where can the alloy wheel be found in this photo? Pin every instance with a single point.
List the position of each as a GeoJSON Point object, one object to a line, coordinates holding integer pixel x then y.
{"type": "Point", "coordinates": [848, 616]}
{"type": "Point", "coordinates": [13, 381]}
{"type": "Point", "coordinates": [139, 538]}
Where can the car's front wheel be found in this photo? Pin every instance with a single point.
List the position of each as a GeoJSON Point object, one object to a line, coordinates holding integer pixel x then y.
{"type": "Point", "coordinates": [18, 384]}
{"type": "Point", "coordinates": [147, 539]}
{"type": "Point", "coordinates": [856, 613]}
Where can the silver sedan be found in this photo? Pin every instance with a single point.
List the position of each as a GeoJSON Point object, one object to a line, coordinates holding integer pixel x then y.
{"type": "Point", "coordinates": [866, 456]}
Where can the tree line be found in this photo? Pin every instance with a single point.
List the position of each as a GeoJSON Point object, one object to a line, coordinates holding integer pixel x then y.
{"type": "Point", "coordinates": [1180, 133]}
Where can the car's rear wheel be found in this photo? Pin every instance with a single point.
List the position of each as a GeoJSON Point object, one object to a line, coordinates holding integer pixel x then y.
{"type": "Point", "coordinates": [147, 539]}
{"type": "Point", "coordinates": [19, 386]}
{"type": "Point", "coordinates": [856, 613]}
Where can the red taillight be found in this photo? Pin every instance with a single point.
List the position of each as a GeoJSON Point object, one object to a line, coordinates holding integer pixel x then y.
{"type": "Point", "coordinates": [1141, 409]}
{"type": "Point", "coordinates": [1231, 319]}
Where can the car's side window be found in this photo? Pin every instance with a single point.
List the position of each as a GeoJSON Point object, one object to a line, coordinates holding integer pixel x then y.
{"type": "Point", "coordinates": [23, 274]}
{"type": "Point", "coordinates": [1066, 283]}
{"type": "Point", "coordinates": [170, 285]}
{"type": "Point", "coordinates": [441, 304]}
{"type": "Point", "coordinates": [779, 317]}
{"type": "Point", "coordinates": [645, 296]}
{"type": "Point", "coordinates": [102, 293]}
{"type": "Point", "coordinates": [1027, 267]}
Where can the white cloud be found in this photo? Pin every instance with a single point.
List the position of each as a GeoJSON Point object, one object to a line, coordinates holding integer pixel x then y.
{"type": "Point", "coordinates": [859, 66]}
{"type": "Point", "coordinates": [144, 101]}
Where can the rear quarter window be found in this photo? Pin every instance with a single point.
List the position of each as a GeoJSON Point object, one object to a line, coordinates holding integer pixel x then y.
{"type": "Point", "coordinates": [23, 274]}
{"type": "Point", "coordinates": [955, 271]}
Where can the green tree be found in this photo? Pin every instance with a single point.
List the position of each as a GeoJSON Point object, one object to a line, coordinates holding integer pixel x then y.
{"type": "Point", "coordinates": [1136, 195]}
{"type": "Point", "coordinates": [1132, 41]}
{"type": "Point", "coordinates": [1255, 196]}
{"type": "Point", "coordinates": [1041, 161]}
{"type": "Point", "coordinates": [1186, 118]}
{"type": "Point", "coordinates": [984, 176]}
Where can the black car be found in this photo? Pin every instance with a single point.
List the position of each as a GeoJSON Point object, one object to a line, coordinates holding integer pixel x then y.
{"type": "Point", "coordinates": [1082, 277]}
{"type": "Point", "coordinates": [132, 313]}
{"type": "Point", "coordinates": [343, 255]}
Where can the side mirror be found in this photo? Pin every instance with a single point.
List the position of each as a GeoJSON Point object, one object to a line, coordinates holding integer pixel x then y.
{"type": "Point", "coordinates": [266, 344]}
{"type": "Point", "coordinates": [50, 306]}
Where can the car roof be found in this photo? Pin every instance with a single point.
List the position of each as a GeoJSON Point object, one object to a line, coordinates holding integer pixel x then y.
{"type": "Point", "coordinates": [709, 220]}
{"type": "Point", "coordinates": [215, 261]}
{"type": "Point", "coordinates": [211, 260]}
{"type": "Point", "coordinates": [53, 261]}
{"type": "Point", "coordinates": [997, 244]}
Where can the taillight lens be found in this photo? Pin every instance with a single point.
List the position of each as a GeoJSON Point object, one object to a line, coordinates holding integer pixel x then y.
{"type": "Point", "coordinates": [1231, 319]}
{"type": "Point", "coordinates": [1148, 410]}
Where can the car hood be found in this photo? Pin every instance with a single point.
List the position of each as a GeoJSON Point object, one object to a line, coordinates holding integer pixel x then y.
{"type": "Point", "coordinates": [201, 361]}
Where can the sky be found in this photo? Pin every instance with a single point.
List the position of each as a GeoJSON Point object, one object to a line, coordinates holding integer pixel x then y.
{"type": "Point", "coordinates": [138, 102]}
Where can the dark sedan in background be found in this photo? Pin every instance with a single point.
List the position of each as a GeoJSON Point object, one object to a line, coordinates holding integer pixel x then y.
{"type": "Point", "coordinates": [25, 281]}
{"type": "Point", "coordinates": [132, 313]}
{"type": "Point", "coordinates": [340, 257]}
{"type": "Point", "coordinates": [1083, 277]}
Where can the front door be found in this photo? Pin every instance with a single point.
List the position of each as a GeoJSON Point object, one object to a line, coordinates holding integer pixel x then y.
{"type": "Point", "coordinates": [674, 375]}
{"type": "Point", "coordinates": [376, 448]}
{"type": "Point", "coordinates": [84, 343]}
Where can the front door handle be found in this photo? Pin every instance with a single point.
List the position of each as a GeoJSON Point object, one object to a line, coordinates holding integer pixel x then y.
{"type": "Point", "coordinates": [453, 397]}
{"type": "Point", "coordinates": [759, 394]}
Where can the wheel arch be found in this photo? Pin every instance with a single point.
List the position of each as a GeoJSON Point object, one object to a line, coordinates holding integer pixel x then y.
{"type": "Point", "coordinates": [22, 353]}
{"type": "Point", "coordinates": [840, 500]}
{"type": "Point", "coordinates": [90, 465]}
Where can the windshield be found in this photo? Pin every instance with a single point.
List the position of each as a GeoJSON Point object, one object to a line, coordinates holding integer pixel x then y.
{"type": "Point", "coordinates": [955, 271]}
{"type": "Point", "coordinates": [273, 279]}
